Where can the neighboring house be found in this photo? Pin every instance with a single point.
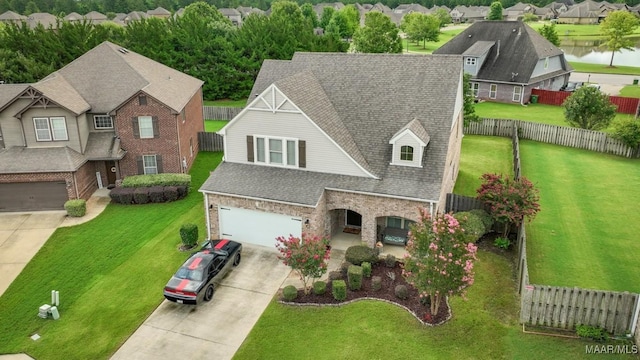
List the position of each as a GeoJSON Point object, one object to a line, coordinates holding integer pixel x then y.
{"type": "Point", "coordinates": [48, 21]}
{"type": "Point", "coordinates": [74, 16]}
{"type": "Point", "coordinates": [96, 17]}
{"type": "Point", "coordinates": [517, 11]}
{"type": "Point", "coordinates": [159, 12]}
{"type": "Point", "coordinates": [233, 15]}
{"type": "Point", "coordinates": [551, 10]}
{"type": "Point", "coordinates": [411, 8]}
{"type": "Point", "coordinates": [136, 16]}
{"type": "Point", "coordinates": [12, 17]}
{"type": "Point", "coordinates": [586, 12]}
{"type": "Point", "coordinates": [246, 11]}
{"type": "Point", "coordinates": [507, 59]}
{"type": "Point", "coordinates": [319, 8]}
{"type": "Point", "coordinates": [109, 114]}
{"type": "Point", "coordinates": [464, 14]}
{"type": "Point", "coordinates": [332, 141]}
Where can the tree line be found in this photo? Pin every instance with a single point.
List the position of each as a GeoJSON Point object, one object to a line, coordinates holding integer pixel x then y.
{"type": "Point", "coordinates": [201, 43]}
{"type": "Point", "coordinates": [126, 6]}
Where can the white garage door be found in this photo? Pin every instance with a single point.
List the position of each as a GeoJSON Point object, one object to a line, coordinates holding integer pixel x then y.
{"type": "Point", "coordinates": [256, 227]}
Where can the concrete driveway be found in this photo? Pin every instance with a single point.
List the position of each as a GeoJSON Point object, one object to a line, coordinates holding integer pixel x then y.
{"type": "Point", "coordinates": [213, 330]}
{"type": "Point", "coordinates": [21, 236]}
{"type": "Point", "coordinates": [610, 84]}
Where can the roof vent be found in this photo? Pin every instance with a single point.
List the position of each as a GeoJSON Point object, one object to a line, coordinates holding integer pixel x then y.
{"type": "Point", "coordinates": [123, 50]}
{"type": "Point", "coordinates": [469, 35]}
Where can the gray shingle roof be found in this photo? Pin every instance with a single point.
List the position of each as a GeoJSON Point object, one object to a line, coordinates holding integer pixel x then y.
{"type": "Point", "coordinates": [416, 127]}
{"type": "Point", "coordinates": [57, 88]}
{"type": "Point", "coordinates": [373, 96]}
{"type": "Point", "coordinates": [479, 48]}
{"type": "Point", "coordinates": [39, 160]}
{"type": "Point", "coordinates": [103, 146]}
{"type": "Point", "coordinates": [520, 49]}
{"type": "Point", "coordinates": [8, 92]}
{"type": "Point", "coordinates": [159, 11]}
{"type": "Point", "coordinates": [11, 16]}
{"type": "Point", "coordinates": [107, 76]}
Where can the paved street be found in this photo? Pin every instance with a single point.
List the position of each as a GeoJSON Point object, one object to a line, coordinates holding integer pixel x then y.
{"type": "Point", "coordinates": [610, 84]}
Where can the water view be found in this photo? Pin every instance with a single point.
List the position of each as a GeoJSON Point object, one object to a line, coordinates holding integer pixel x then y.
{"type": "Point", "coordinates": [594, 52]}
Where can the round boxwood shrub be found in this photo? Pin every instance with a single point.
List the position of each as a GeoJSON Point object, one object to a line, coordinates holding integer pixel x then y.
{"type": "Point", "coordinates": [402, 292]}
{"type": "Point", "coordinates": [76, 207]}
{"type": "Point", "coordinates": [339, 290]}
{"type": "Point", "coordinates": [360, 253]}
{"type": "Point", "coordinates": [486, 219]}
{"type": "Point", "coordinates": [189, 234]}
{"type": "Point", "coordinates": [473, 226]}
{"type": "Point", "coordinates": [390, 260]}
{"type": "Point", "coordinates": [289, 293]}
{"type": "Point", "coordinates": [376, 283]}
{"type": "Point", "coordinates": [319, 287]}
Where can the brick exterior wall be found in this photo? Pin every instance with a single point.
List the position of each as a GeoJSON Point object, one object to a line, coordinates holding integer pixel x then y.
{"type": "Point", "coordinates": [452, 164]}
{"type": "Point", "coordinates": [85, 180]}
{"type": "Point", "coordinates": [328, 217]}
{"type": "Point", "coordinates": [170, 144]}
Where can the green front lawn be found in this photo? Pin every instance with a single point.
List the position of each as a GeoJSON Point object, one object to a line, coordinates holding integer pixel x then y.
{"type": "Point", "coordinates": [483, 327]}
{"type": "Point", "coordinates": [630, 91]}
{"type": "Point", "coordinates": [482, 154]}
{"type": "Point", "coordinates": [110, 273]}
{"type": "Point", "coordinates": [605, 69]}
{"type": "Point", "coordinates": [586, 232]}
{"type": "Point", "coordinates": [226, 103]}
{"type": "Point", "coordinates": [214, 125]}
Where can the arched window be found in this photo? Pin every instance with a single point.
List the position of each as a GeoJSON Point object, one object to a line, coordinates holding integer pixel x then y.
{"type": "Point", "coordinates": [406, 153]}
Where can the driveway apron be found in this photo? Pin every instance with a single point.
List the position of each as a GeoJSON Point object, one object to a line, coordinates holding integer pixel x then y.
{"type": "Point", "coordinates": [213, 330]}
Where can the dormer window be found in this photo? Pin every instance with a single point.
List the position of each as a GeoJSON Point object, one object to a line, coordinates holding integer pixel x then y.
{"type": "Point", "coordinates": [406, 153]}
{"type": "Point", "coordinates": [470, 61]}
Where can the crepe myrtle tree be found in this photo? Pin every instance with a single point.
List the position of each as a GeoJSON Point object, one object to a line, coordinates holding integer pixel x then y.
{"type": "Point", "coordinates": [307, 256]}
{"type": "Point", "coordinates": [510, 200]}
{"type": "Point", "coordinates": [439, 261]}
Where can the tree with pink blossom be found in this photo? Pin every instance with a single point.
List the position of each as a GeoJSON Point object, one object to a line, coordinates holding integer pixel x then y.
{"type": "Point", "coordinates": [510, 200]}
{"type": "Point", "coordinates": [307, 256]}
{"type": "Point", "coordinates": [439, 261]}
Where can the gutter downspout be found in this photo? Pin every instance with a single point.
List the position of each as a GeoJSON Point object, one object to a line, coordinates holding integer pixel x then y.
{"type": "Point", "coordinates": [206, 211]}
{"type": "Point", "coordinates": [522, 96]}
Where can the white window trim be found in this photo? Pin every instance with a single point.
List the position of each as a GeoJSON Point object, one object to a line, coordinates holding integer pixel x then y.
{"type": "Point", "coordinates": [267, 158]}
{"type": "Point", "coordinates": [418, 151]}
{"type": "Point", "coordinates": [145, 167]}
{"type": "Point", "coordinates": [413, 152]}
{"type": "Point", "coordinates": [470, 61]}
{"type": "Point", "coordinates": [517, 94]}
{"type": "Point", "coordinates": [494, 92]}
{"type": "Point", "coordinates": [50, 130]}
{"type": "Point", "coordinates": [475, 89]}
{"type": "Point", "coordinates": [95, 122]}
{"type": "Point", "coordinates": [140, 127]}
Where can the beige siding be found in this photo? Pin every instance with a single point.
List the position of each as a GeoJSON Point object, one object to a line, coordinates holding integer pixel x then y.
{"type": "Point", "coordinates": [11, 126]}
{"type": "Point", "coordinates": [83, 130]}
{"type": "Point", "coordinates": [554, 65]}
{"type": "Point", "coordinates": [407, 139]}
{"type": "Point", "coordinates": [70, 120]}
{"type": "Point", "coordinates": [322, 154]}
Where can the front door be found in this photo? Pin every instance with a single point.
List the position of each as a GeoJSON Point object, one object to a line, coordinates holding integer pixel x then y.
{"type": "Point", "coordinates": [111, 172]}
{"type": "Point", "coordinates": [353, 219]}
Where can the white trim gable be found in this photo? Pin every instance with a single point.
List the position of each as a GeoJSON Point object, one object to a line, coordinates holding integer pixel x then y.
{"type": "Point", "coordinates": [410, 139]}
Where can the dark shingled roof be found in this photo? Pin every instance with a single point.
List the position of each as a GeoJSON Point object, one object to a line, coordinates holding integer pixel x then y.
{"type": "Point", "coordinates": [520, 48]}
{"type": "Point", "coordinates": [361, 101]}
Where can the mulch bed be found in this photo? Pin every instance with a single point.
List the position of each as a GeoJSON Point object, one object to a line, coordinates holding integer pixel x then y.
{"type": "Point", "coordinates": [386, 293]}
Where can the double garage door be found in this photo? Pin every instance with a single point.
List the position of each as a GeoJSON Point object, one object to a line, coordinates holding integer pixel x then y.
{"type": "Point", "coordinates": [256, 227]}
{"type": "Point", "coordinates": [33, 196]}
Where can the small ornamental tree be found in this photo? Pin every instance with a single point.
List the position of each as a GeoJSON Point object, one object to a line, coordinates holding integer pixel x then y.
{"type": "Point", "coordinates": [439, 261]}
{"type": "Point", "coordinates": [510, 200]}
{"type": "Point", "coordinates": [589, 108]}
{"type": "Point", "coordinates": [308, 257]}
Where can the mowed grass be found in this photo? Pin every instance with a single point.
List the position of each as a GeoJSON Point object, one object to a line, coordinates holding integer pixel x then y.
{"type": "Point", "coordinates": [214, 125]}
{"type": "Point", "coordinates": [630, 91]}
{"type": "Point", "coordinates": [483, 327]}
{"type": "Point", "coordinates": [110, 273]}
{"type": "Point", "coordinates": [605, 69]}
{"type": "Point", "coordinates": [226, 103]}
{"type": "Point", "coordinates": [480, 155]}
{"type": "Point", "coordinates": [538, 113]}
{"type": "Point", "coordinates": [429, 47]}
{"type": "Point", "coordinates": [572, 30]}
{"type": "Point", "coordinates": [587, 230]}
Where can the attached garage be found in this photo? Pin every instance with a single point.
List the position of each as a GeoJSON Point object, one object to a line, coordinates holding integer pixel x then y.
{"type": "Point", "coordinates": [256, 227]}
{"type": "Point", "coordinates": [33, 196]}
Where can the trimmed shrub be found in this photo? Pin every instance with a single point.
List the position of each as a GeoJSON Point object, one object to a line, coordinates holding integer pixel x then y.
{"type": "Point", "coordinates": [171, 193]}
{"type": "Point", "coordinates": [402, 292]}
{"type": "Point", "coordinates": [486, 219]}
{"type": "Point", "coordinates": [76, 207]}
{"type": "Point", "coordinates": [366, 269]}
{"type": "Point", "coordinates": [344, 267]}
{"type": "Point", "coordinates": [592, 332]}
{"type": "Point", "coordinates": [360, 253]}
{"type": "Point", "coordinates": [141, 195]}
{"type": "Point", "coordinates": [156, 194]}
{"type": "Point", "coordinates": [339, 290]}
{"type": "Point", "coordinates": [189, 234]}
{"type": "Point", "coordinates": [166, 179]}
{"type": "Point", "coordinates": [376, 283]}
{"type": "Point", "coordinates": [289, 293]}
{"type": "Point", "coordinates": [472, 225]}
{"type": "Point", "coordinates": [122, 195]}
{"type": "Point", "coordinates": [182, 191]}
{"type": "Point", "coordinates": [335, 275]}
{"type": "Point", "coordinates": [319, 287]}
{"type": "Point", "coordinates": [354, 276]}
{"type": "Point", "coordinates": [390, 261]}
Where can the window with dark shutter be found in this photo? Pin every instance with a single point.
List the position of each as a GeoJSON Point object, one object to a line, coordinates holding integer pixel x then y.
{"type": "Point", "coordinates": [302, 153]}
{"type": "Point", "coordinates": [156, 127]}
{"type": "Point", "coordinates": [159, 163]}
{"type": "Point", "coordinates": [142, 100]}
{"type": "Point", "coordinates": [136, 128]}
{"type": "Point", "coordinates": [140, 165]}
{"type": "Point", "coordinates": [250, 148]}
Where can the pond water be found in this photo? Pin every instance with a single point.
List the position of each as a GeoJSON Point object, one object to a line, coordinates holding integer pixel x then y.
{"type": "Point", "coordinates": [595, 52]}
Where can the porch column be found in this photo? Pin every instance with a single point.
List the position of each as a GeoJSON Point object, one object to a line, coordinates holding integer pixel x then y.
{"type": "Point", "coordinates": [368, 234]}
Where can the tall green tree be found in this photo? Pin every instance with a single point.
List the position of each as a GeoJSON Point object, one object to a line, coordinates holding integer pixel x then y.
{"type": "Point", "coordinates": [421, 27]}
{"type": "Point", "coordinates": [495, 11]}
{"type": "Point", "coordinates": [327, 15]}
{"type": "Point", "coordinates": [469, 107]}
{"type": "Point", "coordinates": [550, 33]}
{"type": "Point", "coordinates": [615, 27]}
{"type": "Point", "coordinates": [379, 35]}
{"type": "Point", "coordinates": [310, 14]}
{"type": "Point", "coordinates": [443, 16]}
{"type": "Point", "coordinates": [589, 108]}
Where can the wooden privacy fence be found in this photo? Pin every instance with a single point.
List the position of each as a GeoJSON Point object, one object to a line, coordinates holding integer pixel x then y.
{"type": "Point", "coordinates": [625, 105]}
{"type": "Point", "coordinates": [210, 141]}
{"type": "Point", "coordinates": [565, 308]}
{"type": "Point", "coordinates": [456, 203]}
{"type": "Point", "coordinates": [553, 134]}
{"type": "Point", "coordinates": [220, 112]}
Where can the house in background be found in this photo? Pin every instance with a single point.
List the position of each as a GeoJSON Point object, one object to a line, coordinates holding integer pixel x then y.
{"type": "Point", "coordinates": [507, 59]}
{"type": "Point", "coordinates": [109, 114]}
{"type": "Point", "coordinates": [334, 142]}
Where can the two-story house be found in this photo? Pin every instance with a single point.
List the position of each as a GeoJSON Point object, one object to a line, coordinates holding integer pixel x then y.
{"type": "Point", "coordinates": [507, 59]}
{"type": "Point", "coordinates": [109, 114]}
{"type": "Point", "coordinates": [339, 142]}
